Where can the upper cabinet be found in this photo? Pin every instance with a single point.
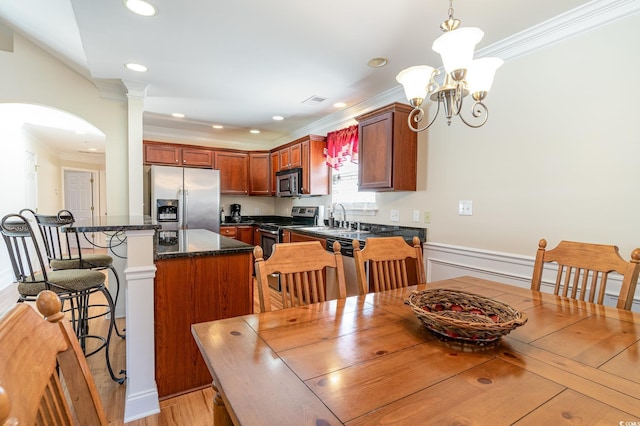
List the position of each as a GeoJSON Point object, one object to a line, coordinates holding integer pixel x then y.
{"type": "Point", "coordinates": [234, 172]}
{"type": "Point", "coordinates": [290, 157]}
{"type": "Point", "coordinates": [387, 150]}
{"type": "Point", "coordinates": [259, 173]}
{"type": "Point", "coordinates": [250, 173]}
{"type": "Point", "coordinates": [176, 155]}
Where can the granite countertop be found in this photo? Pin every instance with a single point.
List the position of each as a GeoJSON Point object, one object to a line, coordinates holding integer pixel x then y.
{"type": "Point", "coordinates": [346, 236]}
{"type": "Point", "coordinates": [112, 224]}
{"type": "Point", "coordinates": [196, 242]}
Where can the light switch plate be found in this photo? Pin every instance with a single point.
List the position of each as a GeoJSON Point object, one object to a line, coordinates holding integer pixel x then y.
{"type": "Point", "coordinates": [416, 215]}
{"type": "Point", "coordinates": [465, 208]}
{"type": "Point", "coordinates": [395, 215]}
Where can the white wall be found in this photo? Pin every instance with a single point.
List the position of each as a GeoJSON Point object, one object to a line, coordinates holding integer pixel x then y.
{"type": "Point", "coordinates": [558, 158]}
{"type": "Point", "coordinates": [29, 75]}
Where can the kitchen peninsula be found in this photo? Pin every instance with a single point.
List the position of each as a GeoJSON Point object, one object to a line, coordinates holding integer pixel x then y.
{"type": "Point", "coordinates": [201, 276]}
{"type": "Point", "coordinates": [173, 279]}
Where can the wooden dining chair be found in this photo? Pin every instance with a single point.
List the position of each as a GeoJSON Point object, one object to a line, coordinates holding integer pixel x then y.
{"type": "Point", "coordinates": [44, 377]}
{"type": "Point", "coordinates": [387, 261]}
{"type": "Point", "coordinates": [583, 269]}
{"type": "Point", "coordinates": [303, 267]}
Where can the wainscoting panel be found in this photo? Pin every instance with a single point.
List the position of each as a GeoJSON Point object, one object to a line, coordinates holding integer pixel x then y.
{"type": "Point", "coordinates": [444, 261]}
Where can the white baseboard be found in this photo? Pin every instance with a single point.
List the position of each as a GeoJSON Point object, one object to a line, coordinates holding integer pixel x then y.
{"type": "Point", "coordinates": [445, 261]}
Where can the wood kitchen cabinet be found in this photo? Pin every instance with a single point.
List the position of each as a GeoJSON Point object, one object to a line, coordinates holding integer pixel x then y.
{"type": "Point", "coordinates": [307, 153]}
{"type": "Point", "coordinates": [387, 150]}
{"type": "Point", "coordinates": [242, 233]}
{"type": "Point", "coordinates": [234, 172]}
{"type": "Point", "coordinates": [187, 291]}
{"type": "Point", "coordinates": [259, 173]}
{"type": "Point", "coordinates": [176, 155]}
{"type": "Point", "coordinates": [295, 237]}
{"type": "Point", "coordinates": [290, 157]}
{"type": "Point", "coordinates": [275, 164]}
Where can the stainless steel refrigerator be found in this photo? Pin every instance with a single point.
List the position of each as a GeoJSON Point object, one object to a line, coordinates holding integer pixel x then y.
{"type": "Point", "coordinates": [184, 198]}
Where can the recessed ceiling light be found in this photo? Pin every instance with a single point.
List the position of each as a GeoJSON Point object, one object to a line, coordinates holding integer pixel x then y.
{"type": "Point", "coordinates": [136, 67]}
{"type": "Point", "coordinates": [377, 62]}
{"type": "Point", "coordinates": [92, 149]}
{"type": "Point", "coordinates": [178, 115]}
{"type": "Point", "coordinates": [217, 126]}
{"type": "Point", "coordinates": [254, 131]}
{"type": "Point", "coordinates": [140, 7]}
{"type": "Point", "coordinates": [278, 117]}
{"type": "Point", "coordinates": [339, 105]}
{"type": "Point", "coordinates": [80, 132]}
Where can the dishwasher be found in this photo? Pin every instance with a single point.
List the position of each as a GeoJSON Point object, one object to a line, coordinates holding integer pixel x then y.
{"type": "Point", "coordinates": [350, 276]}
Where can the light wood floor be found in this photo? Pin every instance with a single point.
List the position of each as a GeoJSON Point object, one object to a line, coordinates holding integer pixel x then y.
{"type": "Point", "coordinates": [193, 409]}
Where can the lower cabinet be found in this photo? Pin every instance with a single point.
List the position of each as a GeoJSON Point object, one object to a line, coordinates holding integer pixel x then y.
{"type": "Point", "coordinates": [190, 290]}
{"type": "Point", "coordinates": [242, 233]}
{"type": "Point", "coordinates": [295, 237]}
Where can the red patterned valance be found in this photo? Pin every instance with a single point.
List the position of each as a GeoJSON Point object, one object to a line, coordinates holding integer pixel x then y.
{"type": "Point", "coordinates": [341, 145]}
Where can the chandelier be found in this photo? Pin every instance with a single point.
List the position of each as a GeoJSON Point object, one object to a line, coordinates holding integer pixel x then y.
{"type": "Point", "coordinates": [463, 75]}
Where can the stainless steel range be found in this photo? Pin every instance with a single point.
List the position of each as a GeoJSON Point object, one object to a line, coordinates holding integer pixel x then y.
{"type": "Point", "coordinates": [271, 232]}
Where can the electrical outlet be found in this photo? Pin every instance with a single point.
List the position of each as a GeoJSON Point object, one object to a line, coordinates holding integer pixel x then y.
{"type": "Point", "coordinates": [256, 210]}
{"type": "Point", "coordinates": [395, 215]}
{"type": "Point", "coordinates": [465, 208]}
{"type": "Point", "coordinates": [416, 215]}
{"type": "Point", "coordinates": [427, 217]}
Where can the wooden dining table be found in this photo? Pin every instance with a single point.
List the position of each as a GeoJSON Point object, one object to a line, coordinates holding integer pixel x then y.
{"type": "Point", "coordinates": [369, 360]}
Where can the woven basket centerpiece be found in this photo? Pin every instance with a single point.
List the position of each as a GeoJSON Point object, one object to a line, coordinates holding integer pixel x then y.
{"type": "Point", "coordinates": [464, 317]}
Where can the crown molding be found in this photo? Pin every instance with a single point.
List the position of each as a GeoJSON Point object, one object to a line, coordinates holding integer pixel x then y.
{"type": "Point", "coordinates": [580, 20]}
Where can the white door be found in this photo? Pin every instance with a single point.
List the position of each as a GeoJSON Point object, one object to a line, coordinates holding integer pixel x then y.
{"type": "Point", "coordinates": [78, 199]}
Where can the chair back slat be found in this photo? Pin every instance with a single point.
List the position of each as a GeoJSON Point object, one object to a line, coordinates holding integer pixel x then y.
{"type": "Point", "coordinates": [302, 268]}
{"type": "Point", "coordinates": [388, 267]}
{"type": "Point", "coordinates": [27, 262]}
{"type": "Point", "coordinates": [58, 245]}
{"type": "Point", "coordinates": [48, 350]}
{"type": "Point", "coordinates": [583, 270]}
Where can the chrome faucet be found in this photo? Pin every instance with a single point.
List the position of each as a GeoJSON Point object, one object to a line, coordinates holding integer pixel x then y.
{"type": "Point", "coordinates": [344, 213]}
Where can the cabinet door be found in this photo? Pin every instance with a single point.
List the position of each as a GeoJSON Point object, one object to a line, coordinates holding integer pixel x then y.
{"type": "Point", "coordinates": [234, 168]}
{"type": "Point", "coordinates": [259, 174]}
{"type": "Point", "coordinates": [284, 156]}
{"type": "Point", "coordinates": [162, 154]}
{"type": "Point", "coordinates": [275, 167]}
{"type": "Point", "coordinates": [295, 155]}
{"type": "Point", "coordinates": [286, 236]}
{"type": "Point", "coordinates": [256, 236]}
{"type": "Point", "coordinates": [376, 152]}
{"type": "Point", "coordinates": [295, 237]}
{"type": "Point", "coordinates": [228, 231]}
{"type": "Point", "coordinates": [245, 234]}
{"type": "Point", "coordinates": [193, 157]}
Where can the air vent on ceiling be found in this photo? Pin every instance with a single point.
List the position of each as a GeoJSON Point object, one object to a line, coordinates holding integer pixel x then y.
{"type": "Point", "coordinates": [314, 100]}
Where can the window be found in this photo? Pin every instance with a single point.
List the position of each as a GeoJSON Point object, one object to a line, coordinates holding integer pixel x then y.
{"type": "Point", "coordinates": [344, 189]}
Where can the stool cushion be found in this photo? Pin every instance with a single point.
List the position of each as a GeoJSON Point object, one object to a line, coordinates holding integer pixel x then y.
{"type": "Point", "coordinates": [69, 280]}
{"type": "Point", "coordinates": [89, 261]}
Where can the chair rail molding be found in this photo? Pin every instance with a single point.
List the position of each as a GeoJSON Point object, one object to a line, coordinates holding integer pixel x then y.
{"type": "Point", "coordinates": [445, 261]}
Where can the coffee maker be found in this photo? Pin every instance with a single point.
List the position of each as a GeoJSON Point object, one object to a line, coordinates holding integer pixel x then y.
{"type": "Point", "coordinates": [235, 213]}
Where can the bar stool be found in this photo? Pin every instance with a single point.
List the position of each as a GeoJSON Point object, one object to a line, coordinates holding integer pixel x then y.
{"type": "Point", "coordinates": [58, 246]}
{"type": "Point", "coordinates": [74, 286]}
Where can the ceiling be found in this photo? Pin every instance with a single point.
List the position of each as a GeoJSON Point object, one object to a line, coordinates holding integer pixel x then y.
{"type": "Point", "coordinates": [238, 63]}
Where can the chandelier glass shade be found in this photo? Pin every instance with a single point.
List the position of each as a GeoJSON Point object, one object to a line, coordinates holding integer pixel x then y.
{"type": "Point", "coordinates": [463, 76]}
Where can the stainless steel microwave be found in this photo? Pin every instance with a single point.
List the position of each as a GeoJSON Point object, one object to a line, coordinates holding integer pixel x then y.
{"type": "Point", "coordinates": [289, 183]}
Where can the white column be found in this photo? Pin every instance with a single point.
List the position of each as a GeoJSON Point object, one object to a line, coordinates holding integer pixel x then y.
{"type": "Point", "coordinates": [142, 391]}
{"type": "Point", "coordinates": [136, 93]}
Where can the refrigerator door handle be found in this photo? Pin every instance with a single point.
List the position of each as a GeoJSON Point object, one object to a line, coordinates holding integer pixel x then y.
{"type": "Point", "coordinates": [181, 218]}
{"type": "Point", "coordinates": [186, 207]}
